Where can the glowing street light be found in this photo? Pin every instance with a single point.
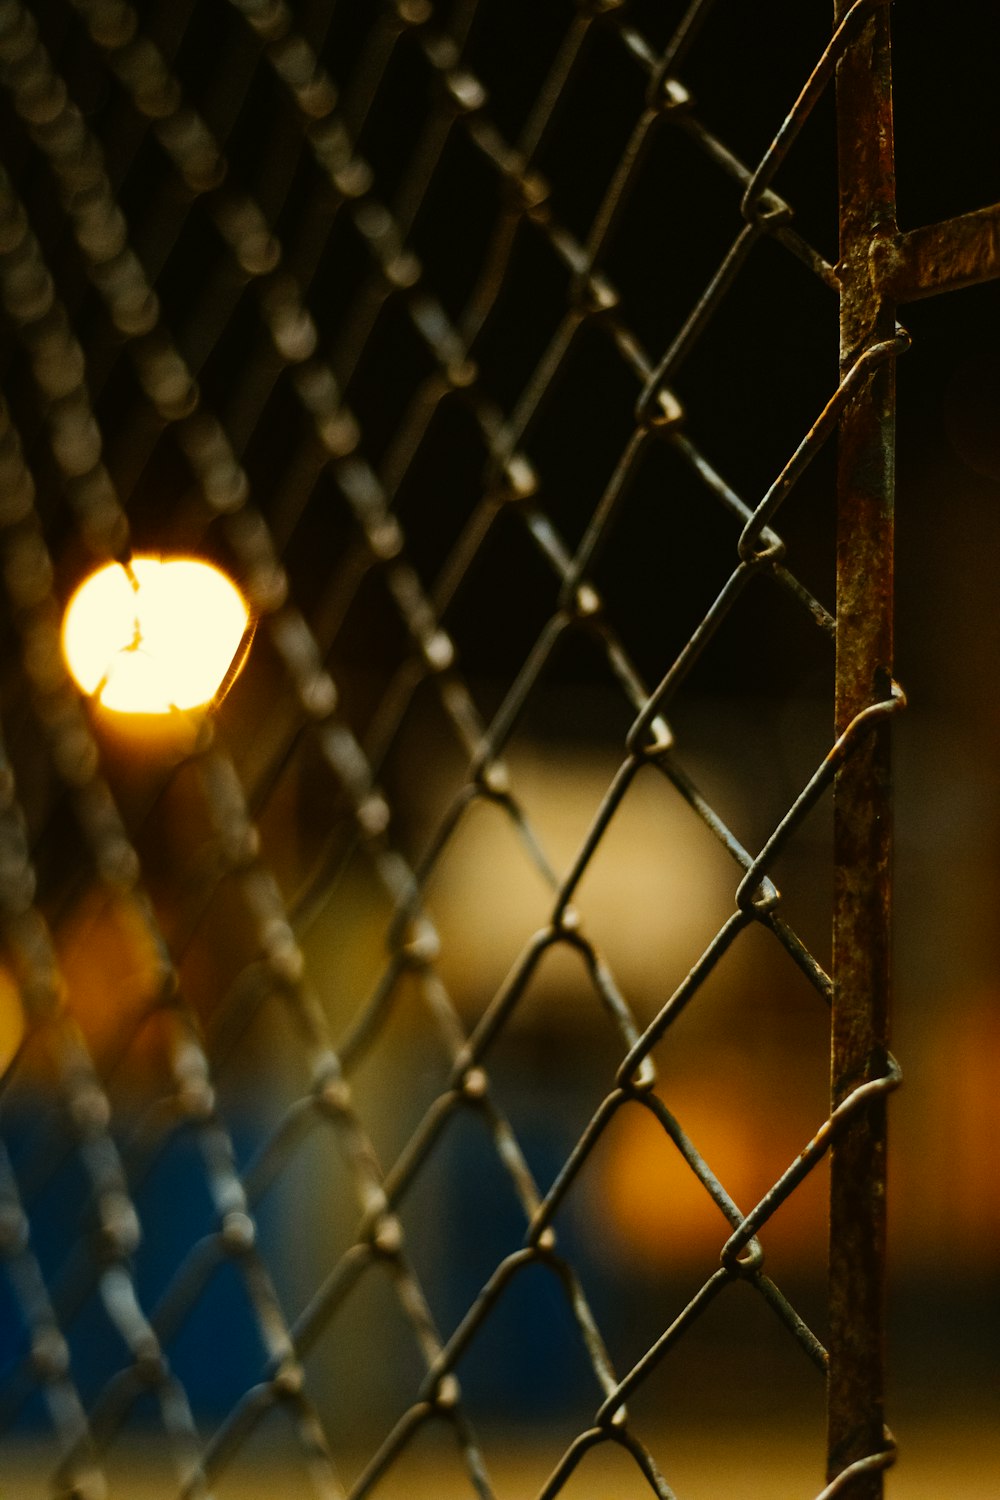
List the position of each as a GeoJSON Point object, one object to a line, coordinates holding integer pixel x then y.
{"type": "Point", "coordinates": [156, 636]}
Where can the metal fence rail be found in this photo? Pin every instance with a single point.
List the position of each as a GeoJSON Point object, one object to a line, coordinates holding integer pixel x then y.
{"type": "Point", "coordinates": [309, 289]}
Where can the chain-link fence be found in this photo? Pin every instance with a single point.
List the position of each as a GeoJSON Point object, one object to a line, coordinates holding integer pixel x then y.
{"type": "Point", "coordinates": [383, 1053]}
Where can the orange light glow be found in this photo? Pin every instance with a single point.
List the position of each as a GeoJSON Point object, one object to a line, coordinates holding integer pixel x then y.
{"type": "Point", "coordinates": [12, 1020]}
{"type": "Point", "coordinates": [157, 636]}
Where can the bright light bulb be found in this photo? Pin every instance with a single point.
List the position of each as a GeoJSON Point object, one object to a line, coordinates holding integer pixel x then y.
{"type": "Point", "coordinates": [157, 636]}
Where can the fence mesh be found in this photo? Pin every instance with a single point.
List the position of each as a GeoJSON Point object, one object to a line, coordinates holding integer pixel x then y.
{"type": "Point", "coordinates": [490, 348]}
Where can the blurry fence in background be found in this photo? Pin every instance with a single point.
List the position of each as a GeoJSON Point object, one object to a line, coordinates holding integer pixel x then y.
{"type": "Point", "coordinates": [435, 1046]}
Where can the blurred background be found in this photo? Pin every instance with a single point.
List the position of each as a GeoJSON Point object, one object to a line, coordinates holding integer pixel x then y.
{"type": "Point", "coordinates": [303, 407]}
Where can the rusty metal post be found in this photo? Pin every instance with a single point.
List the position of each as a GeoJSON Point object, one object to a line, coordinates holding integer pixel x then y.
{"type": "Point", "coordinates": [862, 790]}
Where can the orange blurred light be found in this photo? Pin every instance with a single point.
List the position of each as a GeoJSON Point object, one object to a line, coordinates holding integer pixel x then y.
{"type": "Point", "coordinates": [12, 1020]}
{"type": "Point", "coordinates": [156, 636]}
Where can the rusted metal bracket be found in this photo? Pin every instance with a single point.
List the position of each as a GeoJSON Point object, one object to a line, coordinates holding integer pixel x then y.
{"type": "Point", "coordinates": [942, 257]}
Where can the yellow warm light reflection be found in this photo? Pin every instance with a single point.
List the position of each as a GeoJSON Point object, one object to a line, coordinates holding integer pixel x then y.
{"type": "Point", "coordinates": [157, 636]}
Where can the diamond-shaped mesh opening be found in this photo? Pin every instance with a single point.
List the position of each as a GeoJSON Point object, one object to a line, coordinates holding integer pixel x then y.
{"type": "Point", "coordinates": [602, 67]}
{"type": "Point", "coordinates": [668, 517]}
{"type": "Point", "coordinates": [359, 1406]}
{"type": "Point", "coordinates": [492, 658]}
{"type": "Point", "coordinates": [574, 476]}
{"type": "Point", "coordinates": [446, 471]}
{"type": "Point", "coordinates": [749, 108]}
{"type": "Point", "coordinates": [464, 193]}
{"type": "Point", "coordinates": [651, 234]}
{"type": "Point", "coordinates": [759, 1361]}
{"type": "Point", "coordinates": [774, 301]}
{"type": "Point", "coordinates": [477, 952]}
{"type": "Point", "coordinates": [513, 74]}
{"type": "Point", "coordinates": [785, 648]}
{"type": "Point", "coordinates": [513, 333]}
{"type": "Point", "coordinates": [544, 1379]}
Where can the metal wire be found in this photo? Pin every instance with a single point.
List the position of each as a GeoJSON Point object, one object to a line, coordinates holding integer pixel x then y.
{"type": "Point", "coordinates": [230, 286]}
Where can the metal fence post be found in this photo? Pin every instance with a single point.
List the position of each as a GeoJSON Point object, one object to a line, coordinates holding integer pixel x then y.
{"type": "Point", "coordinates": [862, 793]}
